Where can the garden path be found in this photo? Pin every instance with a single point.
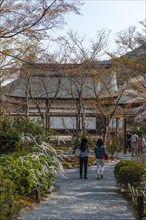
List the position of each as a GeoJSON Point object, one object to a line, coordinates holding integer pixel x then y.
{"type": "Point", "coordinates": [84, 199]}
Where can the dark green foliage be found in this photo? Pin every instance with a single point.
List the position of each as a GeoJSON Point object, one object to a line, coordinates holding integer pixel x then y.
{"type": "Point", "coordinates": [26, 171]}
{"type": "Point", "coordinates": [112, 148]}
{"type": "Point", "coordinates": [24, 126]}
{"type": "Point", "coordinates": [24, 165]}
{"type": "Point", "coordinates": [118, 166]}
{"type": "Point", "coordinates": [8, 196]}
{"type": "Point", "coordinates": [129, 171]}
{"type": "Point", "coordinates": [11, 133]}
{"type": "Point", "coordinates": [22, 174]}
{"type": "Point", "coordinates": [91, 142]}
{"type": "Point", "coordinates": [139, 129]}
{"type": "Point", "coordinates": [9, 137]}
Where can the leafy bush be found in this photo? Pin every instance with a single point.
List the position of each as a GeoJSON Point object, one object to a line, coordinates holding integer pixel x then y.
{"type": "Point", "coordinates": [113, 145]}
{"type": "Point", "coordinates": [24, 124]}
{"type": "Point", "coordinates": [30, 170]}
{"type": "Point", "coordinates": [24, 165]}
{"type": "Point", "coordinates": [17, 136]}
{"type": "Point", "coordinates": [8, 196]}
{"type": "Point", "coordinates": [112, 148]}
{"type": "Point", "coordinates": [21, 174]}
{"type": "Point", "coordinates": [91, 142]}
{"type": "Point", "coordinates": [9, 137]}
{"type": "Point", "coordinates": [118, 166]}
{"type": "Point", "coordinates": [129, 171]}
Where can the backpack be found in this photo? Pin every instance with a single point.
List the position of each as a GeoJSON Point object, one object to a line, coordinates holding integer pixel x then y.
{"type": "Point", "coordinates": [83, 147]}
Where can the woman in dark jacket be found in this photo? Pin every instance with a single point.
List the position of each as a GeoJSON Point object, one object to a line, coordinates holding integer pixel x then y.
{"type": "Point", "coordinates": [99, 151]}
{"type": "Point", "coordinates": [85, 150]}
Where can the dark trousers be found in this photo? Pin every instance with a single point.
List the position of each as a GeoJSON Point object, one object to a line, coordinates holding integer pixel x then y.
{"type": "Point", "coordinates": [83, 165]}
{"type": "Point", "coordinates": [129, 146]}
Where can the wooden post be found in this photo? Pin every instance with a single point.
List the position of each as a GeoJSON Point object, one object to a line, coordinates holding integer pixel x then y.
{"type": "Point", "coordinates": [0, 98]}
{"type": "Point", "coordinates": [140, 206]}
{"type": "Point", "coordinates": [116, 132]}
{"type": "Point", "coordinates": [125, 132]}
{"type": "Point", "coordinates": [38, 195]}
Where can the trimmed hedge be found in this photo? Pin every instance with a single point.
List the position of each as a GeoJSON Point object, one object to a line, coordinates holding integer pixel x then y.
{"type": "Point", "coordinates": [129, 171]}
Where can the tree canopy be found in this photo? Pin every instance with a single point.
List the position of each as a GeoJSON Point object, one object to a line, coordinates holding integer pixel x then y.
{"type": "Point", "coordinates": [23, 25]}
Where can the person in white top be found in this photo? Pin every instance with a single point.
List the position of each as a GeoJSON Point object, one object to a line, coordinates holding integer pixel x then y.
{"type": "Point", "coordinates": [134, 144]}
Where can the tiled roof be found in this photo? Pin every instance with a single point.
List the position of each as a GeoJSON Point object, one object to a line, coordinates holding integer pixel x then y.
{"type": "Point", "coordinates": [62, 83]}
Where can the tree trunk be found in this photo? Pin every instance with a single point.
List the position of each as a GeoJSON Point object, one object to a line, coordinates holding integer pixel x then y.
{"type": "Point", "coordinates": [83, 124]}
{"type": "Point", "coordinates": [27, 104]}
{"type": "Point", "coordinates": [48, 120]}
{"type": "Point", "coordinates": [106, 135]}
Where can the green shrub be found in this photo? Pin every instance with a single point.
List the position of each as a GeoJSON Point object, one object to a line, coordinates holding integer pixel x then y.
{"type": "Point", "coordinates": [128, 171]}
{"type": "Point", "coordinates": [22, 166]}
{"type": "Point", "coordinates": [21, 174]}
{"type": "Point", "coordinates": [13, 135]}
{"type": "Point", "coordinates": [31, 170]}
{"type": "Point", "coordinates": [9, 137]}
{"type": "Point", "coordinates": [114, 145]}
{"type": "Point", "coordinates": [112, 148]}
{"type": "Point", "coordinates": [25, 126]}
{"type": "Point", "coordinates": [8, 196]}
{"type": "Point", "coordinates": [118, 166]}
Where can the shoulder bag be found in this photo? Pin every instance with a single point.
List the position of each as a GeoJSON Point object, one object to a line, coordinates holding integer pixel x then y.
{"type": "Point", "coordinates": [77, 152]}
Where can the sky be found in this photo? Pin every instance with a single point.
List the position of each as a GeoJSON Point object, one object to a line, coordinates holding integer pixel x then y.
{"type": "Point", "coordinates": [114, 15]}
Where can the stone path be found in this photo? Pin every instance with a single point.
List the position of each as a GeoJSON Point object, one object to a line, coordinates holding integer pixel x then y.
{"type": "Point", "coordinates": [83, 199]}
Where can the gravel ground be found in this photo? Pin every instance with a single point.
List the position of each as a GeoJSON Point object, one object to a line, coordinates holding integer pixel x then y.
{"type": "Point", "coordinates": [83, 199]}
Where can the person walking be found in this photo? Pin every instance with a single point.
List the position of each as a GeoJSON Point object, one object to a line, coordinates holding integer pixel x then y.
{"type": "Point", "coordinates": [99, 151]}
{"type": "Point", "coordinates": [134, 144]}
{"type": "Point", "coordinates": [83, 159]}
{"type": "Point", "coordinates": [128, 140]}
{"type": "Point", "coordinates": [141, 144]}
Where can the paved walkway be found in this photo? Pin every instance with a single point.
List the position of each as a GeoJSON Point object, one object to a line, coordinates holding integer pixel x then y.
{"type": "Point", "coordinates": [83, 199]}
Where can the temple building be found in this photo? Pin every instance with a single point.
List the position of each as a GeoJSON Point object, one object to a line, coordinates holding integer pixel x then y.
{"type": "Point", "coordinates": [67, 96]}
